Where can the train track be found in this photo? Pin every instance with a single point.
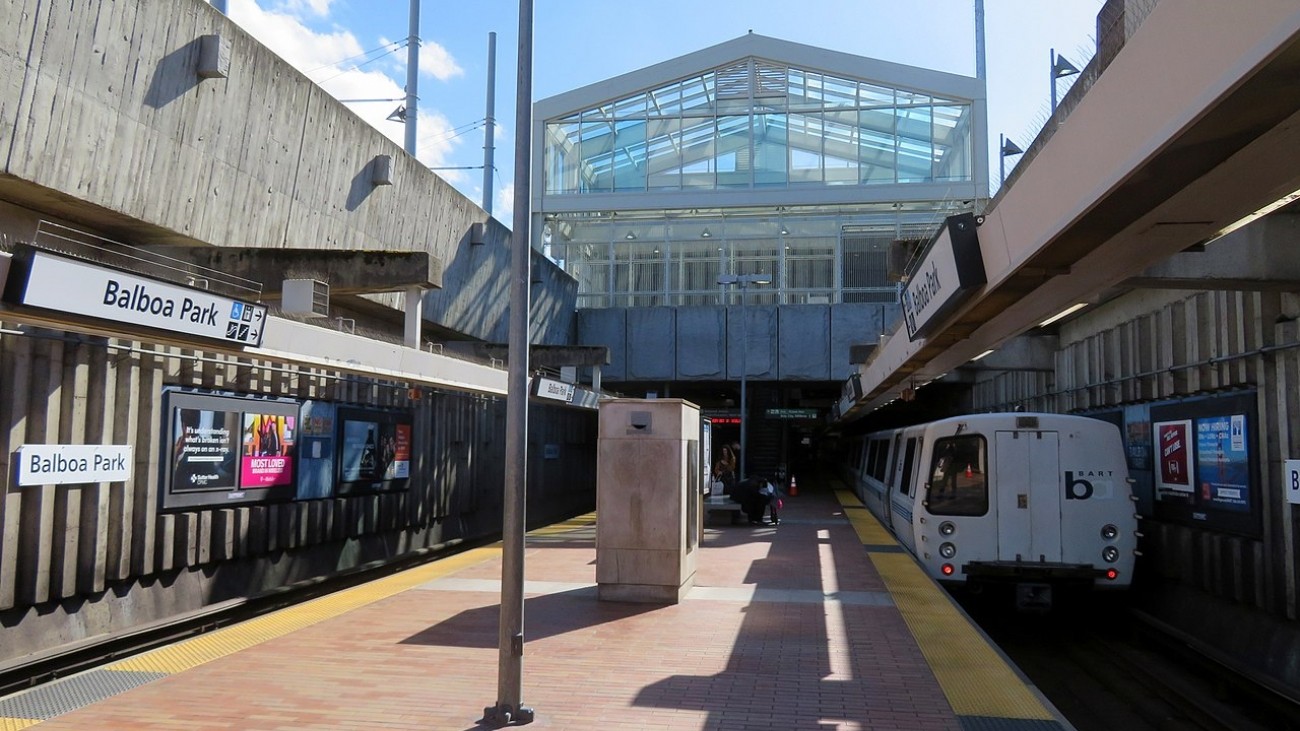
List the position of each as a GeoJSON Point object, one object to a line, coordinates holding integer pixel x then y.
{"type": "Point", "coordinates": [1105, 671]}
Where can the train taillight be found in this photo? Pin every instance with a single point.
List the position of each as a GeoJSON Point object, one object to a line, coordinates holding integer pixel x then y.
{"type": "Point", "coordinates": [947, 569]}
{"type": "Point", "coordinates": [1112, 574]}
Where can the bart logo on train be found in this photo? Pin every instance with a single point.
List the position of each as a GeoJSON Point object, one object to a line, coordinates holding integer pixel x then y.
{"type": "Point", "coordinates": [1086, 484]}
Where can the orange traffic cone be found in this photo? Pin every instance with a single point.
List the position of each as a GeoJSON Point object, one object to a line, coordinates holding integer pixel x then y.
{"type": "Point", "coordinates": [968, 470]}
{"type": "Point", "coordinates": [794, 486]}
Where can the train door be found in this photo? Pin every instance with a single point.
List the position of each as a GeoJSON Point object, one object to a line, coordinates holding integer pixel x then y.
{"type": "Point", "coordinates": [905, 495]}
{"type": "Point", "coordinates": [891, 481]}
{"type": "Point", "coordinates": [1027, 483]}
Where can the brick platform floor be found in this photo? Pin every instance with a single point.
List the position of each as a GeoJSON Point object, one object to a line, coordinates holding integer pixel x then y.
{"type": "Point", "coordinates": [789, 627]}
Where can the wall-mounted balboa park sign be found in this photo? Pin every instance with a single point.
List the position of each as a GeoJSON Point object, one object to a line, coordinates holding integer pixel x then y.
{"type": "Point", "coordinates": [65, 464]}
{"type": "Point", "coordinates": [52, 282]}
{"type": "Point", "coordinates": [950, 271]}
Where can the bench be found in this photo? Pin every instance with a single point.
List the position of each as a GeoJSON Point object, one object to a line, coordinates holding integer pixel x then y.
{"type": "Point", "coordinates": [719, 503]}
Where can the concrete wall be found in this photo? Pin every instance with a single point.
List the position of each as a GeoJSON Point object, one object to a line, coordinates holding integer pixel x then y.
{"type": "Point", "coordinates": [1235, 590]}
{"type": "Point", "coordinates": [82, 560]}
{"type": "Point", "coordinates": [105, 122]}
{"type": "Point", "coordinates": [781, 342]}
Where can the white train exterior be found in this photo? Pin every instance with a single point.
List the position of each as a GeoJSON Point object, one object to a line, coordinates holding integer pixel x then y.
{"type": "Point", "coordinates": [1035, 500]}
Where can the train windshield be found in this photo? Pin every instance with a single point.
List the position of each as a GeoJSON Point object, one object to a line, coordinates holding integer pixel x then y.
{"type": "Point", "coordinates": [958, 484]}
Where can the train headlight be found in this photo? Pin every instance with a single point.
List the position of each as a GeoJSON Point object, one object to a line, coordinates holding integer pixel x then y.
{"type": "Point", "coordinates": [1110, 553]}
{"type": "Point", "coordinates": [947, 550]}
{"type": "Point", "coordinates": [946, 528]}
{"type": "Point", "coordinates": [1109, 532]}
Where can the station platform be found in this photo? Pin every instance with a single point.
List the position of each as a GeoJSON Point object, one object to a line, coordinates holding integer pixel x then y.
{"type": "Point", "coordinates": [822, 622]}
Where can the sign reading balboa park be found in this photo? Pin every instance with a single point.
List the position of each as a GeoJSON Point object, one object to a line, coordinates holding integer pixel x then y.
{"type": "Point", "coordinates": [950, 270]}
{"type": "Point", "coordinates": [78, 287]}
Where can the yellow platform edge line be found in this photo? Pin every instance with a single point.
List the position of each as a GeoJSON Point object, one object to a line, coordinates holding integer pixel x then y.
{"type": "Point", "coordinates": [14, 724]}
{"type": "Point", "coordinates": [974, 677]}
{"type": "Point", "coordinates": [567, 526]}
{"type": "Point", "coordinates": [213, 645]}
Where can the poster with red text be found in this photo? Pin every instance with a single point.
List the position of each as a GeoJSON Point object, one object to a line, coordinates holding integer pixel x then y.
{"type": "Point", "coordinates": [1174, 455]}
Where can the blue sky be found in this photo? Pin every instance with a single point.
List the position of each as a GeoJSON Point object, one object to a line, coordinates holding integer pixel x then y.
{"type": "Point", "coordinates": [342, 44]}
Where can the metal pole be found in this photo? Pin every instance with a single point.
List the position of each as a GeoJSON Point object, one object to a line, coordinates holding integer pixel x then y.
{"type": "Point", "coordinates": [980, 66]}
{"type": "Point", "coordinates": [1002, 159]}
{"type": "Point", "coordinates": [1051, 73]}
{"type": "Point", "coordinates": [489, 146]}
{"type": "Point", "coordinates": [412, 75]}
{"type": "Point", "coordinates": [744, 367]}
{"type": "Point", "coordinates": [510, 639]}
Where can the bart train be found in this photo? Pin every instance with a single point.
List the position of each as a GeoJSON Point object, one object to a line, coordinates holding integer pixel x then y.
{"type": "Point", "coordinates": [1033, 501]}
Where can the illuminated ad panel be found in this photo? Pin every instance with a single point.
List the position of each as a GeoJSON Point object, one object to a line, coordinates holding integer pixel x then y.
{"type": "Point", "coordinates": [228, 449]}
{"type": "Point", "coordinates": [949, 272]}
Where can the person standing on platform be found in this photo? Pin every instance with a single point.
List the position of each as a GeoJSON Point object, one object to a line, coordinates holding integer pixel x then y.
{"type": "Point", "coordinates": [724, 470]}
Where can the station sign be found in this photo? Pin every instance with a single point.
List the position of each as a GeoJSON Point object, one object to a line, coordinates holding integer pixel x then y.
{"type": "Point", "coordinates": [77, 287]}
{"type": "Point", "coordinates": [1291, 480]}
{"type": "Point", "coordinates": [950, 270]}
{"type": "Point", "coordinates": [65, 464]}
{"type": "Point", "coordinates": [548, 388]}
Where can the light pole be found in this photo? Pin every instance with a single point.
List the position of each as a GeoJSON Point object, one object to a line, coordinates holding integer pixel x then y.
{"type": "Point", "coordinates": [744, 280]}
{"type": "Point", "coordinates": [1060, 68]}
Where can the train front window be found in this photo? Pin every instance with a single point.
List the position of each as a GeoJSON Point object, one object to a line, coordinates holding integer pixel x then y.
{"type": "Point", "coordinates": [958, 484]}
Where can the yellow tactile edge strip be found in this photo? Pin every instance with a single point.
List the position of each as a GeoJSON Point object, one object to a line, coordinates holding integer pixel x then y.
{"type": "Point", "coordinates": [190, 653]}
{"type": "Point", "coordinates": [975, 678]}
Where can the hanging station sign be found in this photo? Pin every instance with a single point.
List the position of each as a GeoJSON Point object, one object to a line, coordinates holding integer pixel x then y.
{"type": "Point", "coordinates": [949, 272]}
{"type": "Point", "coordinates": [52, 282]}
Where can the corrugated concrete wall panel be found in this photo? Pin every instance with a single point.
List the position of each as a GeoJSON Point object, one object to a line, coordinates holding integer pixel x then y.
{"type": "Point", "coordinates": [804, 343]}
{"type": "Point", "coordinates": [701, 343]}
{"type": "Point", "coordinates": [855, 324]}
{"type": "Point", "coordinates": [101, 103]}
{"type": "Point", "coordinates": [606, 327]}
{"type": "Point", "coordinates": [651, 344]}
{"type": "Point", "coordinates": [758, 336]}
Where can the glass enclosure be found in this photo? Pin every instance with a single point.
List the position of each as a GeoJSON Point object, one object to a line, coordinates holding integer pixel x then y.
{"type": "Point", "coordinates": [757, 124]}
{"type": "Point", "coordinates": [754, 125]}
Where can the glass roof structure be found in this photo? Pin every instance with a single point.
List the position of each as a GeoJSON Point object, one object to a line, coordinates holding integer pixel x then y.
{"type": "Point", "coordinates": [754, 156]}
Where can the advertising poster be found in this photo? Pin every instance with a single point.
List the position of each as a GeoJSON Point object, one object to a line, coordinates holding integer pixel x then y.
{"type": "Point", "coordinates": [268, 441]}
{"type": "Point", "coordinates": [1174, 455]}
{"type": "Point", "coordinates": [316, 451]}
{"type": "Point", "coordinates": [374, 450]}
{"type": "Point", "coordinates": [1222, 464]}
{"type": "Point", "coordinates": [361, 450]}
{"type": "Point", "coordinates": [203, 449]}
{"type": "Point", "coordinates": [395, 452]}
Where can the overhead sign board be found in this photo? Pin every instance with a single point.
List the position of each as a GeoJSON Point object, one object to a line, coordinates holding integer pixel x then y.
{"type": "Point", "coordinates": [548, 388]}
{"type": "Point", "coordinates": [76, 287]}
{"type": "Point", "coordinates": [791, 413]}
{"type": "Point", "coordinates": [949, 272]}
{"type": "Point", "coordinates": [65, 464]}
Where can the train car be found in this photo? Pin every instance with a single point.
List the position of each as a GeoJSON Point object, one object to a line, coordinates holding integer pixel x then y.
{"type": "Point", "coordinates": [1035, 501]}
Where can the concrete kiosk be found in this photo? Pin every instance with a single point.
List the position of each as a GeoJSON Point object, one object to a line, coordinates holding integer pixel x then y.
{"type": "Point", "coordinates": [647, 499]}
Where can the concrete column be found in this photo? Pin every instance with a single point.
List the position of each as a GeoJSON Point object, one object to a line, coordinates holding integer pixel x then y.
{"type": "Point", "coordinates": [414, 316]}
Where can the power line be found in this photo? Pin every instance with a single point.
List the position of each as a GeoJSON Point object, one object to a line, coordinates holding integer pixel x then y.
{"type": "Point", "coordinates": [396, 46]}
{"type": "Point", "coordinates": [358, 66]}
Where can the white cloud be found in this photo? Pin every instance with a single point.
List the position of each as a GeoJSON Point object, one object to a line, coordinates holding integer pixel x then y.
{"type": "Point", "coordinates": [318, 54]}
{"type": "Point", "coordinates": [296, 7]}
{"type": "Point", "coordinates": [504, 207]}
{"type": "Point", "coordinates": [308, 51]}
{"type": "Point", "coordinates": [437, 62]}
